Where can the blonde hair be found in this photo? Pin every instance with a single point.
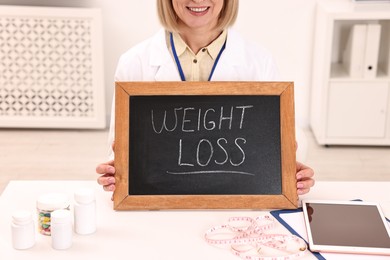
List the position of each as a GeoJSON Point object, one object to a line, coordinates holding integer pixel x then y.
{"type": "Point", "coordinates": [169, 19]}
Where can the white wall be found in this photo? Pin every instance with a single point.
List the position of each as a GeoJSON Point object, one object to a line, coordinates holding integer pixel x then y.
{"type": "Point", "coordinates": [285, 27]}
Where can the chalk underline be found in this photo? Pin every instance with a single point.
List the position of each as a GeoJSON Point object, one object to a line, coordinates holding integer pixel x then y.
{"type": "Point", "coordinates": [209, 172]}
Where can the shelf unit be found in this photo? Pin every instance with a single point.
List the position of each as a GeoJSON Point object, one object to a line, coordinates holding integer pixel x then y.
{"type": "Point", "coordinates": [349, 110]}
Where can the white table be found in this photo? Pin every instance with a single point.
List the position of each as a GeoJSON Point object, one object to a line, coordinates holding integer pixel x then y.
{"type": "Point", "coordinates": [149, 234]}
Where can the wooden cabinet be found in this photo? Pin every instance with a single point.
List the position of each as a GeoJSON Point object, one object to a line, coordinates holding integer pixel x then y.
{"type": "Point", "coordinates": [347, 109]}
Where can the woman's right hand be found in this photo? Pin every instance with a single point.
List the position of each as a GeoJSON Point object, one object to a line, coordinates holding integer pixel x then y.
{"type": "Point", "coordinates": [107, 175]}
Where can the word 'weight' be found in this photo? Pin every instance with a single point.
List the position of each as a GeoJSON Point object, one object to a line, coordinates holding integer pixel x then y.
{"type": "Point", "coordinates": [202, 119]}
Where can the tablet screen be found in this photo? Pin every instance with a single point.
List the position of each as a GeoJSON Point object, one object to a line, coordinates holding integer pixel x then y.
{"type": "Point", "coordinates": [346, 227]}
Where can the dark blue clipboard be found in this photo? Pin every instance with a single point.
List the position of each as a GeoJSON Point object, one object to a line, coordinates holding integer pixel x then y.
{"type": "Point", "coordinates": [276, 214]}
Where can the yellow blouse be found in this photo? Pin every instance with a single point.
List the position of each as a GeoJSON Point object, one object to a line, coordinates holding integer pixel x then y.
{"type": "Point", "coordinates": [197, 67]}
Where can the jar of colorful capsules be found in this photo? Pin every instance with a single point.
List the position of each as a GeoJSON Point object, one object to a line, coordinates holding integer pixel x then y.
{"type": "Point", "coordinates": [46, 204]}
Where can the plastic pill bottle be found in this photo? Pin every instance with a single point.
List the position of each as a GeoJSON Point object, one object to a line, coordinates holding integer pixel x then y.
{"type": "Point", "coordinates": [84, 211]}
{"type": "Point", "coordinates": [23, 231]}
{"type": "Point", "coordinates": [61, 229]}
{"type": "Point", "coordinates": [46, 204]}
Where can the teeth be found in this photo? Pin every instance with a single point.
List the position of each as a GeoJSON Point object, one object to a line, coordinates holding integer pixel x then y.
{"type": "Point", "coordinates": [198, 9]}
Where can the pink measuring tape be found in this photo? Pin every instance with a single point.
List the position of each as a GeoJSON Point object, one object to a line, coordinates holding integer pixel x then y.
{"type": "Point", "coordinates": [247, 238]}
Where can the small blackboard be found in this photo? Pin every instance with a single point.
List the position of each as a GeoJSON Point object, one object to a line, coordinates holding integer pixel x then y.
{"type": "Point", "coordinates": [182, 145]}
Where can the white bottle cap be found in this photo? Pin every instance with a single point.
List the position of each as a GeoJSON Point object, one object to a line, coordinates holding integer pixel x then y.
{"type": "Point", "coordinates": [84, 196]}
{"type": "Point", "coordinates": [53, 201]}
{"type": "Point", "coordinates": [61, 216]}
{"type": "Point", "coordinates": [22, 217]}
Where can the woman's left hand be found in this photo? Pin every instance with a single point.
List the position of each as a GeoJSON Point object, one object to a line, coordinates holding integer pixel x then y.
{"type": "Point", "coordinates": [304, 178]}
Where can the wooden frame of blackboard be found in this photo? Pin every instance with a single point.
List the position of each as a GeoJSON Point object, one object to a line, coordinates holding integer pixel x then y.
{"type": "Point", "coordinates": [124, 201]}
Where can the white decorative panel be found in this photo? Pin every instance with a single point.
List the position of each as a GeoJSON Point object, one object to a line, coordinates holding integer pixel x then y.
{"type": "Point", "coordinates": [51, 68]}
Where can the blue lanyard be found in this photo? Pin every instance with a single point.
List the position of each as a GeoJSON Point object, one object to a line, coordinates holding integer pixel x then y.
{"type": "Point", "coordinates": [183, 78]}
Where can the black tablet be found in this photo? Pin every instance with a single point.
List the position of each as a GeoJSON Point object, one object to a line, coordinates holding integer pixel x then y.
{"type": "Point", "coordinates": [346, 227]}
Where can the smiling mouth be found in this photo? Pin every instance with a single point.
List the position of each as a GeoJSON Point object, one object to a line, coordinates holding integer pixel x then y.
{"type": "Point", "coordinates": [198, 9]}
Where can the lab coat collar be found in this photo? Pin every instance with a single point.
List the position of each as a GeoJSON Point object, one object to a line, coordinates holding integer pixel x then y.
{"type": "Point", "coordinates": [161, 58]}
{"type": "Point", "coordinates": [232, 57]}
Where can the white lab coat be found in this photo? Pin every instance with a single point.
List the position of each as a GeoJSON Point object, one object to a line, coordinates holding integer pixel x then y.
{"type": "Point", "coordinates": [151, 60]}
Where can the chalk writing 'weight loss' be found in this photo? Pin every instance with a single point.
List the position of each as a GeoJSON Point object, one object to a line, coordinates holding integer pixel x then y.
{"type": "Point", "coordinates": [216, 152]}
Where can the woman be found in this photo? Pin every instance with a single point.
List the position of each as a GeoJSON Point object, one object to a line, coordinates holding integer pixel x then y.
{"type": "Point", "coordinates": [196, 45]}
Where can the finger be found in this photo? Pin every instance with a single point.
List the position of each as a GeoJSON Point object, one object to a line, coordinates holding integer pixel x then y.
{"type": "Point", "coordinates": [300, 166]}
{"type": "Point", "coordinates": [305, 184]}
{"type": "Point", "coordinates": [106, 180]}
{"type": "Point", "coordinates": [305, 174]}
{"type": "Point", "coordinates": [303, 191]}
{"type": "Point", "coordinates": [109, 187]}
{"type": "Point", "coordinates": [106, 168]}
